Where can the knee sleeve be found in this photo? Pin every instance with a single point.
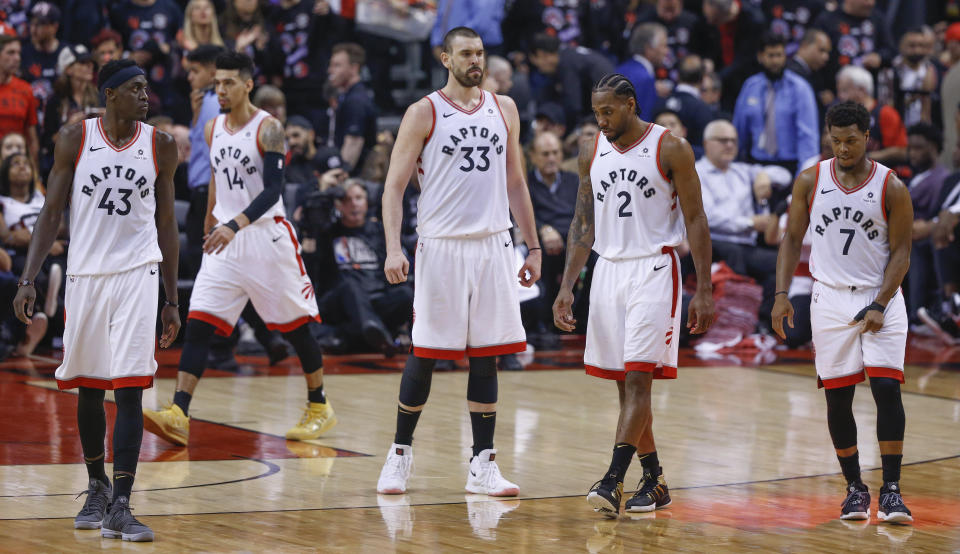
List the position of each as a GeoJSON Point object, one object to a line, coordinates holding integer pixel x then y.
{"type": "Point", "coordinates": [482, 383]}
{"type": "Point", "coordinates": [416, 380]}
{"type": "Point", "coordinates": [127, 429]}
{"type": "Point", "coordinates": [91, 421]}
{"type": "Point", "coordinates": [307, 348]}
{"type": "Point", "coordinates": [840, 421]}
{"type": "Point", "coordinates": [890, 416]}
{"type": "Point", "coordinates": [196, 347]}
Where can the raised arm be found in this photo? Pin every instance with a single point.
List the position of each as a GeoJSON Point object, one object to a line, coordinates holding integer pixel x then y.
{"type": "Point", "coordinates": [415, 129]}
{"type": "Point", "coordinates": [798, 218]}
{"type": "Point", "coordinates": [59, 184]}
{"type": "Point", "coordinates": [677, 158]}
{"type": "Point", "coordinates": [168, 235]}
{"type": "Point", "coordinates": [579, 243]}
{"type": "Point", "coordinates": [519, 195]}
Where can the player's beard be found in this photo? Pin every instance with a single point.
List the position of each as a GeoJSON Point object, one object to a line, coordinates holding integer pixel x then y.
{"type": "Point", "coordinates": [225, 110]}
{"type": "Point", "coordinates": [468, 79]}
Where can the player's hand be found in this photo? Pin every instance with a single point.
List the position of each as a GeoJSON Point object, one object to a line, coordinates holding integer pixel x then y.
{"type": "Point", "coordinates": [170, 318]}
{"type": "Point", "coordinates": [870, 319]}
{"type": "Point", "coordinates": [530, 272]}
{"type": "Point", "coordinates": [943, 230]}
{"type": "Point", "coordinates": [217, 239]}
{"type": "Point", "coordinates": [701, 314]}
{"type": "Point", "coordinates": [23, 303]}
{"type": "Point", "coordinates": [396, 268]}
{"type": "Point", "coordinates": [551, 240]}
{"type": "Point", "coordinates": [782, 308]}
{"type": "Point", "coordinates": [563, 311]}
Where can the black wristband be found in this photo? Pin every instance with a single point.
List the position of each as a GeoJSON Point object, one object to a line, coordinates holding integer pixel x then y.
{"type": "Point", "coordinates": [532, 249]}
{"type": "Point", "coordinates": [780, 292]}
{"type": "Point", "coordinates": [233, 226]}
{"type": "Point", "coordinates": [863, 313]}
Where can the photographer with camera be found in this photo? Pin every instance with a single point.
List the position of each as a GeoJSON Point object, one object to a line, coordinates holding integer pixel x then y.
{"type": "Point", "coordinates": [344, 251]}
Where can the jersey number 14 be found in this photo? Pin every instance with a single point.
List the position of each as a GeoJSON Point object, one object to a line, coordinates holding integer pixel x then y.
{"type": "Point", "coordinates": [236, 180]}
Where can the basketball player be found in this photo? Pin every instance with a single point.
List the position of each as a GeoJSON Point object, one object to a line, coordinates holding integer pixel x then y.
{"type": "Point", "coordinates": [464, 143]}
{"type": "Point", "coordinates": [250, 253]}
{"type": "Point", "coordinates": [634, 183]}
{"type": "Point", "coordinates": [117, 175]}
{"type": "Point", "coordinates": [860, 219]}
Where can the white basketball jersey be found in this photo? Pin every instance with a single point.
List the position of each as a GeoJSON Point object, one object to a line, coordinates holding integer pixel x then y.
{"type": "Point", "coordinates": [463, 170]}
{"type": "Point", "coordinates": [20, 214]}
{"type": "Point", "coordinates": [635, 207]}
{"type": "Point", "coordinates": [113, 203]}
{"type": "Point", "coordinates": [848, 229]}
{"type": "Point", "coordinates": [237, 165]}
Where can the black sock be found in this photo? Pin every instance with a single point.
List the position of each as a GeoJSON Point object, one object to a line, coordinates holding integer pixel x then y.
{"type": "Point", "coordinates": [95, 469]}
{"type": "Point", "coordinates": [406, 423]}
{"type": "Point", "coordinates": [850, 465]}
{"type": "Point", "coordinates": [650, 463]}
{"type": "Point", "coordinates": [92, 424]}
{"type": "Point", "coordinates": [127, 435]}
{"type": "Point", "coordinates": [182, 400]}
{"type": "Point", "coordinates": [891, 467]}
{"type": "Point", "coordinates": [622, 454]}
{"type": "Point", "coordinates": [316, 395]}
{"type": "Point", "coordinates": [484, 424]}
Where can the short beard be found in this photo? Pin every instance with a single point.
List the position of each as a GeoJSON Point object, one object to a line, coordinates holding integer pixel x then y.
{"type": "Point", "coordinates": [466, 80]}
{"type": "Point", "coordinates": [224, 110]}
{"type": "Point", "coordinates": [773, 76]}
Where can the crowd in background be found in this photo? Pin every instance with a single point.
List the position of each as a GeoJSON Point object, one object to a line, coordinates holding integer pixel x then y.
{"type": "Point", "coordinates": [746, 82]}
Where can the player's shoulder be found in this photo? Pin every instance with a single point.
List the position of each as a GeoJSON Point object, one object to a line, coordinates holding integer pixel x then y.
{"type": "Point", "coordinates": [673, 147]}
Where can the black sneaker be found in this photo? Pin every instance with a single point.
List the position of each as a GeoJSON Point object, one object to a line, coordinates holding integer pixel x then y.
{"type": "Point", "coordinates": [942, 325]}
{"type": "Point", "coordinates": [605, 496]}
{"type": "Point", "coordinates": [892, 509]}
{"type": "Point", "coordinates": [652, 494]}
{"type": "Point", "coordinates": [120, 523]}
{"type": "Point", "coordinates": [95, 507]}
{"type": "Point", "coordinates": [857, 503]}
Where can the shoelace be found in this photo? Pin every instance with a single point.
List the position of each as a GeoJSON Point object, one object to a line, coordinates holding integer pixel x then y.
{"type": "Point", "coordinates": [646, 485]}
{"type": "Point", "coordinates": [855, 497]}
{"type": "Point", "coordinates": [93, 504]}
{"type": "Point", "coordinates": [491, 472]}
{"type": "Point", "coordinates": [401, 466]}
{"type": "Point", "coordinates": [891, 500]}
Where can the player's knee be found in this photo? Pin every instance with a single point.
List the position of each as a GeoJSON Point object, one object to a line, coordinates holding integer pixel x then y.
{"type": "Point", "coordinates": [416, 380]}
{"type": "Point", "coordinates": [196, 347]}
{"type": "Point", "coordinates": [88, 395]}
{"type": "Point", "coordinates": [198, 331]}
{"type": "Point", "coordinates": [128, 397]}
{"type": "Point", "coordinates": [885, 389]}
{"type": "Point", "coordinates": [306, 347]}
{"type": "Point", "coordinates": [482, 383]}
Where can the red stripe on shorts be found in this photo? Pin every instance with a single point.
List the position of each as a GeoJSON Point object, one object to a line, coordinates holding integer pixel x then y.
{"type": "Point", "coordinates": [885, 372]}
{"type": "Point", "coordinates": [839, 382]}
{"type": "Point", "coordinates": [290, 326]}
{"type": "Point", "coordinates": [437, 353]}
{"type": "Point", "coordinates": [223, 328]}
{"type": "Point", "coordinates": [611, 374]}
{"type": "Point", "coordinates": [661, 372]}
{"type": "Point", "coordinates": [293, 239]}
{"type": "Point", "coordinates": [143, 381]}
{"type": "Point", "coordinates": [497, 349]}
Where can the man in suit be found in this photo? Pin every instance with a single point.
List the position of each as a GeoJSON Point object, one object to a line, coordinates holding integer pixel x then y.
{"type": "Point", "coordinates": [686, 102]}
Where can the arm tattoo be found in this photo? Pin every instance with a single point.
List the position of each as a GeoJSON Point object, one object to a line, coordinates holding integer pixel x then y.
{"type": "Point", "coordinates": [272, 136]}
{"type": "Point", "coordinates": [581, 228]}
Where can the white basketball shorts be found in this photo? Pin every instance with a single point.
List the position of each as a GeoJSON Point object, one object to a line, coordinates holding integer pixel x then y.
{"type": "Point", "coordinates": [110, 332]}
{"type": "Point", "coordinates": [841, 352]}
{"type": "Point", "coordinates": [465, 298]}
{"type": "Point", "coordinates": [261, 264]}
{"type": "Point", "coordinates": [634, 318]}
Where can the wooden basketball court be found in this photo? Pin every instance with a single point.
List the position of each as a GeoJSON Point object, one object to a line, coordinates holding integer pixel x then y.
{"type": "Point", "coordinates": [743, 442]}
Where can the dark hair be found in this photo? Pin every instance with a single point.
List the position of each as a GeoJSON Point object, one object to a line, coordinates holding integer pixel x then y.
{"type": "Point", "coordinates": [7, 39]}
{"type": "Point", "coordinates": [465, 32]}
{"type": "Point", "coordinates": [916, 30]}
{"type": "Point", "coordinates": [810, 36]}
{"type": "Point", "coordinates": [355, 53]}
{"type": "Point", "coordinates": [5, 175]}
{"type": "Point", "coordinates": [205, 54]}
{"type": "Point", "coordinates": [111, 68]}
{"type": "Point", "coordinates": [848, 113]}
{"type": "Point", "coordinates": [771, 39]}
{"type": "Point", "coordinates": [619, 85]}
{"type": "Point", "coordinates": [690, 70]}
{"type": "Point", "coordinates": [928, 132]}
{"type": "Point", "coordinates": [236, 60]}
{"type": "Point", "coordinates": [545, 42]}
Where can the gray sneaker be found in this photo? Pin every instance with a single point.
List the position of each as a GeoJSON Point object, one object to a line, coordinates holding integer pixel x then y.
{"type": "Point", "coordinates": [95, 507]}
{"type": "Point", "coordinates": [120, 523]}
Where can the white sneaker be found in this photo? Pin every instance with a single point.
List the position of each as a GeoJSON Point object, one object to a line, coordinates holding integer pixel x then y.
{"type": "Point", "coordinates": [396, 470]}
{"type": "Point", "coordinates": [484, 476]}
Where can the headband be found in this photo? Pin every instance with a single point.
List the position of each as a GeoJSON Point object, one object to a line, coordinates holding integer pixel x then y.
{"type": "Point", "coordinates": [121, 77]}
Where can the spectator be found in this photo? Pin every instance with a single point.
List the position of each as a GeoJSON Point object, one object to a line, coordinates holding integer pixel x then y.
{"type": "Point", "coordinates": [685, 100]}
{"type": "Point", "coordinates": [912, 84]}
{"type": "Point", "coordinates": [12, 143]}
{"type": "Point", "coordinates": [355, 122]}
{"type": "Point", "coordinates": [776, 112]}
{"type": "Point", "coordinates": [792, 19]}
{"type": "Point", "coordinates": [734, 198]}
{"type": "Point", "coordinates": [243, 26]}
{"type": "Point", "coordinates": [731, 41]}
{"type": "Point", "coordinates": [648, 47]}
{"type": "Point", "coordinates": [85, 18]}
{"type": "Point", "coordinates": [584, 138]}
{"type": "Point", "coordinates": [483, 16]}
{"type": "Point", "coordinates": [307, 163]}
{"type": "Point", "coordinates": [75, 97]}
{"type": "Point", "coordinates": [888, 136]}
{"type": "Point", "coordinates": [671, 120]}
{"type": "Point", "coordinates": [808, 61]}
{"type": "Point", "coordinates": [550, 118]}
{"type": "Point", "coordinates": [950, 97]}
{"type": "Point", "coordinates": [516, 85]}
{"type": "Point", "coordinates": [107, 45]}
{"type": "Point", "coordinates": [859, 36]}
{"type": "Point", "coordinates": [711, 89]}
{"type": "Point", "coordinates": [17, 16]}
{"type": "Point", "coordinates": [363, 308]}
{"type": "Point", "coordinates": [684, 32]}
{"type": "Point", "coordinates": [924, 142]}
{"type": "Point", "coordinates": [524, 20]}
{"type": "Point", "coordinates": [554, 196]}
{"type": "Point", "coordinates": [199, 26]}
{"type": "Point", "coordinates": [18, 105]}
{"type": "Point", "coordinates": [271, 100]}
{"type": "Point", "coordinates": [42, 52]}
{"type": "Point", "coordinates": [945, 321]}
{"type": "Point", "coordinates": [566, 75]}
{"type": "Point", "coordinates": [140, 21]}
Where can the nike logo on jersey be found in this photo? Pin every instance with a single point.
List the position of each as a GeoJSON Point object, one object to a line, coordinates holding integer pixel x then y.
{"type": "Point", "coordinates": [506, 244]}
{"type": "Point", "coordinates": [602, 154]}
{"type": "Point", "coordinates": [826, 191]}
{"type": "Point", "coordinates": [92, 149]}
{"type": "Point", "coordinates": [153, 272]}
{"type": "Point", "coordinates": [659, 268]}
{"type": "Point", "coordinates": [446, 115]}
{"type": "Point", "coordinates": [275, 239]}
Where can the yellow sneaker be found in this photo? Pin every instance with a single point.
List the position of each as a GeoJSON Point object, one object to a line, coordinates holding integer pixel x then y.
{"type": "Point", "coordinates": [170, 424]}
{"type": "Point", "coordinates": [317, 419]}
